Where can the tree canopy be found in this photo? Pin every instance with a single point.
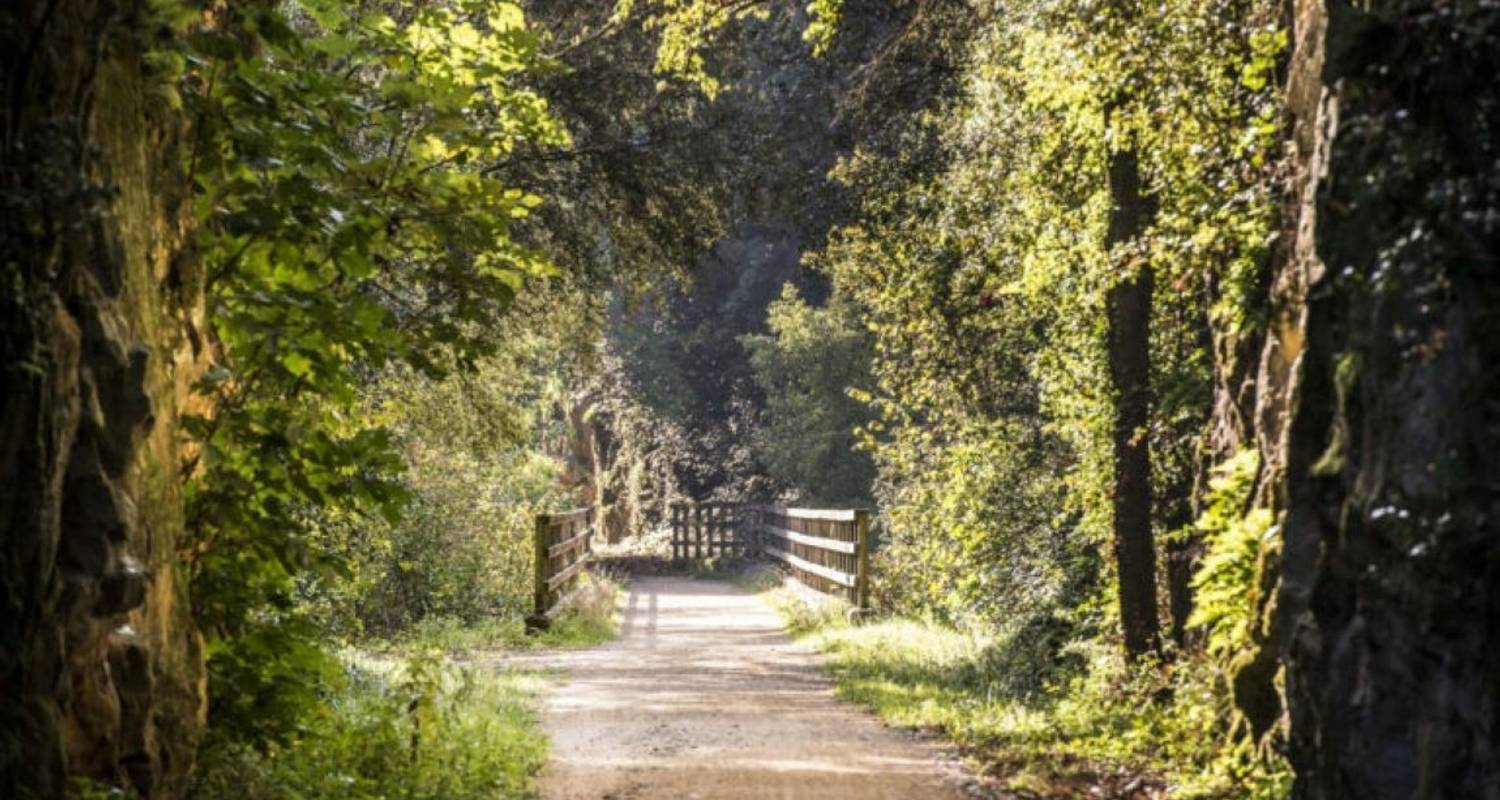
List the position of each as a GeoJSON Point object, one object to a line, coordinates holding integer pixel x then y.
{"type": "Point", "coordinates": [1156, 337]}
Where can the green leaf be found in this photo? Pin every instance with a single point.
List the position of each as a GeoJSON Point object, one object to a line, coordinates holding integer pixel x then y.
{"type": "Point", "coordinates": [297, 364]}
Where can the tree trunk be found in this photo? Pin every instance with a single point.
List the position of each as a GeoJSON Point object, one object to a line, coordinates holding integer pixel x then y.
{"type": "Point", "coordinates": [101, 337]}
{"type": "Point", "coordinates": [1182, 562]}
{"type": "Point", "coordinates": [1129, 354]}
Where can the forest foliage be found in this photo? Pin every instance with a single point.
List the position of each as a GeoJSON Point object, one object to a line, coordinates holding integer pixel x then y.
{"type": "Point", "coordinates": [984, 280]}
{"type": "Point", "coordinates": [811, 363]}
{"type": "Point", "coordinates": [981, 258]}
{"type": "Point", "coordinates": [382, 423]}
{"type": "Point", "coordinates": [384, 416]}
{"type": "Point", "coordinates": [470, 260]}
{"type": "Point", "coordinates": [351, 225]}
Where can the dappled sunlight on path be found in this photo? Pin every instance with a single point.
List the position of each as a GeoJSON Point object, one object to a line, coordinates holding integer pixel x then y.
{"type": "Point", "coordinates": [704, 696]}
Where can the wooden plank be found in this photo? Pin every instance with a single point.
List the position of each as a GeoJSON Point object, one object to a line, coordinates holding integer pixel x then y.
{"type": "Point", "coordinates": [539, 537]}
{"type": "Point", "coordinates": [726, 533]}
{"type": "Point", "coordinates": [563, 576]}
{"type": "Point", "coordinates": [836, 514]}
{"type": "Point", "coordinates": [862, 565]}
{"type": "Point", "coordinates": [820, 542]}
{"type": "Point", "coordinates": [569, 516]}
{"type": "Point", "coordinates": [680, 532]}
{"type": "Point", "coordinates": [569, 544]}
{"type": "Point", "coordinates": [827, 573]}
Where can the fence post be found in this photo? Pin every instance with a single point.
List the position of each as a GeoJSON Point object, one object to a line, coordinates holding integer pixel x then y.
{"type": "Point", "coordinates": [758, 530]}
{"type": "Point", "coordinates": [539, 561]}
{"type": "Point", "coordinates": [592, 522]}
{"type": "Point", "coordinates": [697, 530]}
{"type": "Point", "coordinates": [862, 569]}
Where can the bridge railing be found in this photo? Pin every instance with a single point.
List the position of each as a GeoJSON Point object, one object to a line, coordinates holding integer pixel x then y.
{"type": "Point", "coordinates": [706, 530]}
{"type": "Point", "coordinates": [827, 550]}
{"type": "Point", "coordinates": [561, 546]}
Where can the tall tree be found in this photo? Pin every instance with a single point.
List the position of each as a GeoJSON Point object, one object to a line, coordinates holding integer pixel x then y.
{"type": "Point", "coordinates": [1129, 355]}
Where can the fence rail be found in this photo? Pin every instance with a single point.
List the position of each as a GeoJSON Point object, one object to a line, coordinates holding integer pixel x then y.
{"type": "Point", "coordinates": [706, 530]}
{"type": "Point", "coordinates": [561, 545]}
{"type": "Point", "coordinates": [825, 549]}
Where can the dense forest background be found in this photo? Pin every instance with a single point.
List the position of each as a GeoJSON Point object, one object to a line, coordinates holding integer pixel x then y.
{"type": "Point", "coordinates": [1161, 337]}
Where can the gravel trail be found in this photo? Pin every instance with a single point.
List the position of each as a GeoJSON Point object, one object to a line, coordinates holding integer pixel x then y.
{"type": "Point", "coordinates": [704, 697]}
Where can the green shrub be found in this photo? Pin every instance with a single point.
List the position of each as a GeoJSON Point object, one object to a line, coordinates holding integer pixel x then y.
{"type": "Point", "coordinates": [463, 548]}
{"type": "Point", "coordinates": [424, 730]}
{"type": "Point", "coordinates": [589, 618]}
{"type": "Point", "coordinates": [475, 476]}
{"type": "Point", "coordinates": [1227, 582]}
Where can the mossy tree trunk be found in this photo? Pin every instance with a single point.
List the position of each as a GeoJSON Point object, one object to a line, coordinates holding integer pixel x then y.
{"type": "Point", "coordinates": [103, 334]}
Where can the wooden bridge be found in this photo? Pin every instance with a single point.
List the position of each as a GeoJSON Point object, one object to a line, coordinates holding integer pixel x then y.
{"type": "Point", "coordinates": [827, 550]}
{"type": "Point", "coordinates": [824, 549]}
{"type": "Point", "coordinates": [704, 693]}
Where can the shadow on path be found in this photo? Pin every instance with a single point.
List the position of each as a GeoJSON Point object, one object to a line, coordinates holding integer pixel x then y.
{"type": "Point", "coordinates": [704, 696]}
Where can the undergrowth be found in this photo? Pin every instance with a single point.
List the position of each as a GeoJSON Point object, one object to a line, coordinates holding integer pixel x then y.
{"type": "Point", "coordinates": [590, 617]}
{"type": "Point", "coordinates": [425, 729]}
{"type": "Point", "coordinates": [1100, 729]}
{"type": "Point", "coordinates": [408, 718]}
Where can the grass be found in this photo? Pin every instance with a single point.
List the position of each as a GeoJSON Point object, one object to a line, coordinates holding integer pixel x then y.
{"type": "Point", "coordinates": [590, 617]}
{"type": "Point", "coordinates": [1100, 729]}
{"type": "Point", "coordinates": [423, 729]}
{"type": "Point", "coordinates": [413, 719]}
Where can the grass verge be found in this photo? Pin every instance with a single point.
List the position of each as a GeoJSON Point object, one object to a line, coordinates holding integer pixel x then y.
{"type": "Point", "coordinates": [424, 729]}
{"type": "Point", "coordinates": [590, 617]}
{"type": "Point", "coordinates": [1101, 730]}
{"type": "Point", "coordinates": [411, 718]}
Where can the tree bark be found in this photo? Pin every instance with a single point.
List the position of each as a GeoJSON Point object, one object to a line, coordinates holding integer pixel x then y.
{"type": "Point", "coordinates": [1182, 562]}
{"type": "Point", "coordinates": [1129, 355]}
{"type": "Point", "coordinates": [101, 335]}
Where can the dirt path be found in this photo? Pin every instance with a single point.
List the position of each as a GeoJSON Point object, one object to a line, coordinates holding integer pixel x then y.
{"type": "Point", "coordinates": [704, 696]}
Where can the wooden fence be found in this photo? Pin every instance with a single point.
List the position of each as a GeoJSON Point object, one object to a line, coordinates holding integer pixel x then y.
{"type": "Point", "coordinates": [824, 549]}
{"type": "Point", "coordinates": [827, 550]}
{"type": "Point", "coordinates": [561, 545]}
{"type": "Point", "coordinates": [706, 530]}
